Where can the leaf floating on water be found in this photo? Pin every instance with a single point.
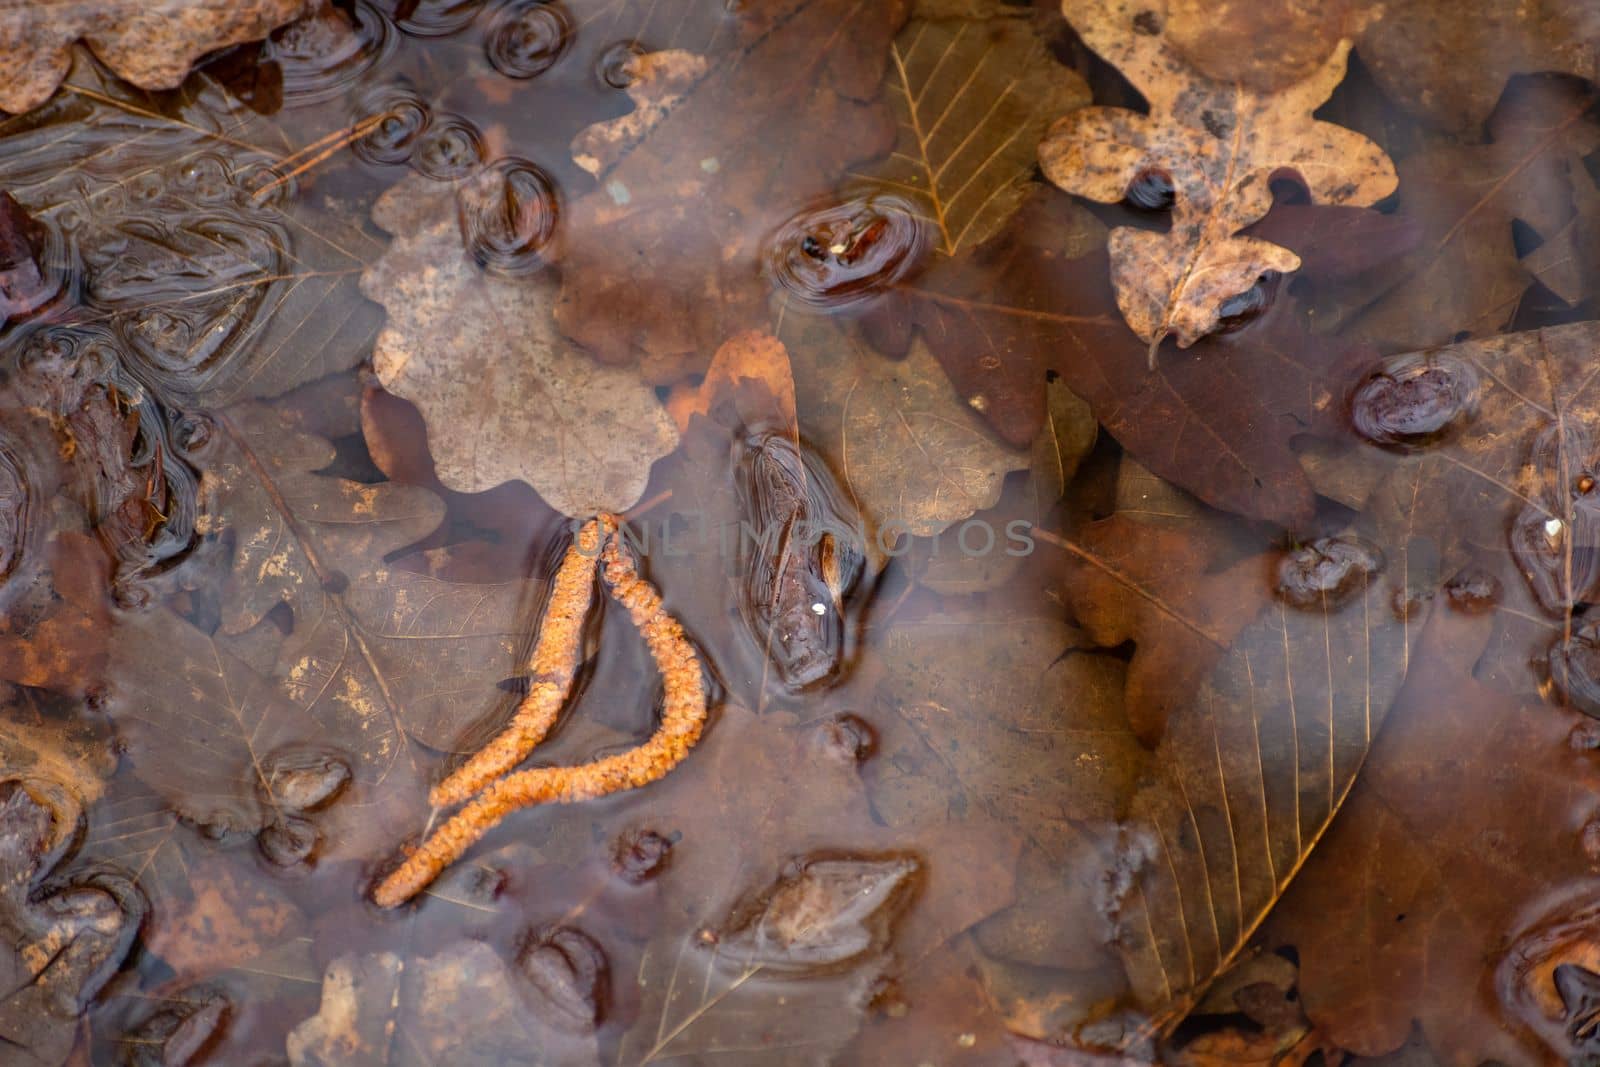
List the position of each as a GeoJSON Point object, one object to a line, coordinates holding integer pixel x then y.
{"type": "Point", "coordinates": [1213, 148]}
{"type": "Point", "coordinates": [972, 97]}
{"type": "Point", "coordinates": [827, 913]}
{"type": "Point", "coordinates": [459, 1006]}
{"type": "Point", "coordinates": [1218, 421]}
{"type": "Point", "coordinates": [504, 395]}
{"type": "Point", "coordinates": [799, 576]}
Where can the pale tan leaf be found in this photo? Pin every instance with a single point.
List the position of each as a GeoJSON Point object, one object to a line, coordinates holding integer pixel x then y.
{"type": "Point", "coordinates": [504, 395]}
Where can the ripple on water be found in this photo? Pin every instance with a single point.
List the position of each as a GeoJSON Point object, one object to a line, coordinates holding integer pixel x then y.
{"type": "Point", "coordinates": [1415, 399]}
{"type": "Point", "coordinates": [840, 254]}
{"type": "Point", "coordinates": [508, 213]}
{"type": "Point", "coordinates": [527, 37]}
{"type": "Point", "coordinates": [323, 55]}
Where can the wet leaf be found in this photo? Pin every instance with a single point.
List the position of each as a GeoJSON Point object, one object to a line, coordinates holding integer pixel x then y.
{"type": "Point", "coordinates": [1472, 811]}
{"type": "Point", "coordinates": [1254, 769]}
{"type": "Point", "coordinates": [313, 675]}
{"type": "Point", "coordinates": [64, 939]}
{"type": "Point", "coordinates": [231, 918]}
{"type": "Point", "coordinates": [151, 46]}
{"type": "Point", "coordinates": [210, 294]}
{"type": "Point", "coordinates": [317, 546]}
{"type": "Point", "coordinates": [1170, 591]}
{"type": "Point", "coordinates": [751, 373]}
{"type": "Point", "coordinates": [460, 1005]}
{"type": "Point", "coordinates": [1218, 420]}
{"type": "Point", "coordinates": [1215, 146]}
{"type": "Point", "coordinates": [504, 395]}
{"type": "Point", "coordinates": [1015, 717]}
{"type": "Point", "coordinates": [972, 97]}
{"type": "Point", "coordinates": [910, 454]}
{"type": "Point", "coordinates": [1466, 277]}
{"type": "Point", "coordinates": [768, 939]}
{"type": "Point", "coordinates": [1486, 42]}
{"type": "Point", "coordinates": [1482, 452]}
{"type": "Point", "coordinates": [662, 262]}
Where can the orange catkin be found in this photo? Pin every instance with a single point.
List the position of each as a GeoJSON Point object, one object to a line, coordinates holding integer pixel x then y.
{"type": "Point", "coordinates": [682, 720]}
{"type": "Point", "coordinates": [555, 661]}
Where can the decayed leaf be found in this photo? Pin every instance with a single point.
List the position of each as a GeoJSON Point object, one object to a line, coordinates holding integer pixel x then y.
{"type": "Point", "coordinates": [1466, 276]}
{"type": "Point", "coordinates": [63, 762]}
{"type": "Point", "coordinates": [1215, 145]}
{"type": "Point", "coordinates": [972, 96]}
{"type": "Point", "coordinates": [459, 1006]}
{"type": "Point", "coordinates": [504, 395]}
{"type": "Point", "coordinates": [794, 910]}
{"type": "Point", "coordinates": [1474, 808]}
{"type": "Point", "coordinates": [1256, 767]}
{"type": "Point", "coordinates": [1218, 421]}
{"type": "Point", "coordinates": [149, 44]}
{"type": "Point", "coordinates": [64, 940]}
{"type": "Point", "coordinates": [325, 660]}
{"type": "Point", "coordinates": [662, 262]}
{"type": "Point", "coordinates": [1484, 451]}
{"type": "Point", "coordinates": [912, 457]}
{"type": "Point", "coordinates": [317, 546]}
{"type": "Point", "coordinates": [209, 294]}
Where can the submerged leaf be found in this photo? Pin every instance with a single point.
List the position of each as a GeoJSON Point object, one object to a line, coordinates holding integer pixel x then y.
{"type": "Point", "coordinates": [911, 456]}
{"type": "Point", "coordinates": [504, 395]}
{"type": "Point", "coordinates": [1466, 277]}
{"type": "Point", "coordinates": [459, 1006]}
{"type": "Point", "coordinates": [1475, 807]}
{"type": "Point", "coordinates": [65, 938]}
{"type": "Point", "coordinates": [210, 293]}
{"type": "Point", "coordinates": [1253, 770]}
{"type": "Point", "coordinates": [149, 44]}
{"type": "Point", "coordinates": [661, 263]}
{"type": "Point", "coordinates": [973, 97]}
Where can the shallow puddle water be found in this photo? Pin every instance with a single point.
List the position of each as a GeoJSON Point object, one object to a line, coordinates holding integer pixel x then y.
{"type": "Point", "coordinates": [584, 532]}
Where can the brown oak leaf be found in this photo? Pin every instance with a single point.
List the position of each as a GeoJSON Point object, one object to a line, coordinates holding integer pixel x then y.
{"type": "Point", "coordinates": [1216, 146]}
{"type": "Point", "coordinates": [1466, 275]}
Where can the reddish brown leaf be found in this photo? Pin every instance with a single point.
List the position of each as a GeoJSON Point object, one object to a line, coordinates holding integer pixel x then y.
{"type": "Point", "coordinates": [1217, 419]}
{"type": "Point", "coordinates": [1156, 586]}
{"type": "Point", "coordinates": [1474, 807]}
